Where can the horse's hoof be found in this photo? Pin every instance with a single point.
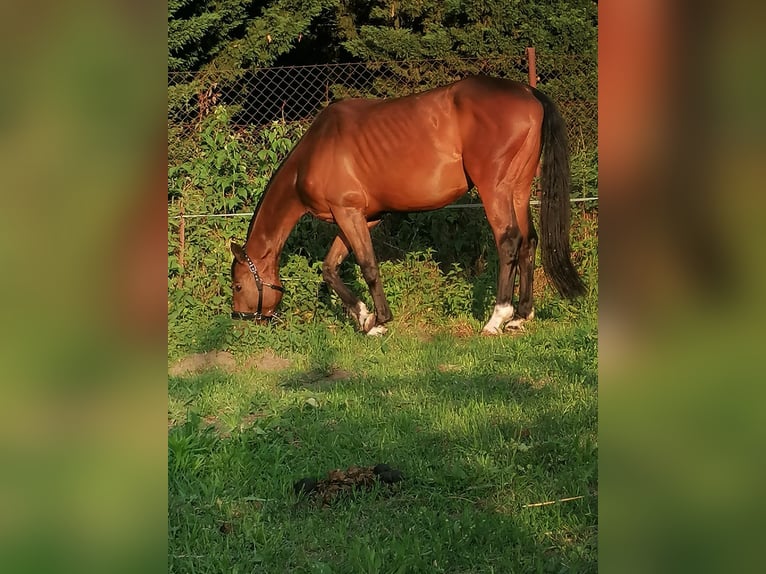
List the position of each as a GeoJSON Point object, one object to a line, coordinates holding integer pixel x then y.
{"type": "Point", "coordinates": [377, 331]}
{"type": "Point", "coordinates": [369, 324]}
{"type": "Point", "coordinates": [517, 323]}
{"type": "Point", "coordinates": [364, 318]}
{"type": "Point", "coordinates": [490, 332]}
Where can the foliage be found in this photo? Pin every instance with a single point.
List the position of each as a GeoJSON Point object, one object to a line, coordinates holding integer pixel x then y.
{"type": "Point", "coordinates": [236, 33]}
{"type": "Point", "coordinates": [230, 169]}
{"type": "Point", "coordinates": [192, 28]}
{"type": "Point", "coordinates": [240, 33]}
{"type": "Point", "coordinates": [415, 29]}
{"type": "Point", "coordinates": [226, 172]}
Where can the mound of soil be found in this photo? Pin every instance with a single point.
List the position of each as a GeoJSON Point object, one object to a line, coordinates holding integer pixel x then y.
{"type": "Point", "coordinates": [339, 482]}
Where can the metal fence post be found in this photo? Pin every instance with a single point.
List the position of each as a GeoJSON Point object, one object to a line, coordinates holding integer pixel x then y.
{"type": "Point", "coordinates": [181, 242]}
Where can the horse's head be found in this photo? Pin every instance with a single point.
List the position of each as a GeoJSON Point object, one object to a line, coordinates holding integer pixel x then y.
{"type": "Point", "coordinates": [254, 298]}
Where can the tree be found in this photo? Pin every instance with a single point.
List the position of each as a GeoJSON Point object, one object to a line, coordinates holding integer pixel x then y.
{"type": "Point", "coordinates": [234, 34]}
{"type": "Point", "coordinates": [199, 29]}
{"type": "Point", "coordinates": [406, 29]}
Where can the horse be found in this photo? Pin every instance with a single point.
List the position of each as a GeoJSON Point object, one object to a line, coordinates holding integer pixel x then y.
{"type": "Point", "coordinates": [363, 158]}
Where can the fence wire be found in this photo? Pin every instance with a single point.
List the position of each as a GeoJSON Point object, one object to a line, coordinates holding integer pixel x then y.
{"type": "Point", "coordinates": [453, 206]}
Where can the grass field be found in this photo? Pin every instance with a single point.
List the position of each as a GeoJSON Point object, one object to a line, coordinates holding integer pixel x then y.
{"type": "Point", "coordinates": [483, 429]}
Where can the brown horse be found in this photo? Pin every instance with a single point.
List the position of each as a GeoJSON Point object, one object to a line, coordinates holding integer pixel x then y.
{"type": "Point", "coordinates": [363, 158]}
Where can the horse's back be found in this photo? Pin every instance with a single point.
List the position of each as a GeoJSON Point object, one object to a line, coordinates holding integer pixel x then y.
{"type": "Point", "coordinates": [407, 154]}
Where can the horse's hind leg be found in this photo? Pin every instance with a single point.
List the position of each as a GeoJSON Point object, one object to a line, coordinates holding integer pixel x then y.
{"type": "Point", "coordinates": [525, 309]}
{"type": "Point", "coordinates": [355, 232]}
{"type": "Point", "coordinates": [499, 211]}
{"type": "Point", "coordinates": [507, 207]}
{"type": "Point", "coordinates": [508, 241]}
{"type": "Point", "coordinates": [338, 252]}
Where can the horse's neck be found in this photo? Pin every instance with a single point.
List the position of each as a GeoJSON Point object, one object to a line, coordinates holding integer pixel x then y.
{"type": "Point", "coordinates": [276, 217]}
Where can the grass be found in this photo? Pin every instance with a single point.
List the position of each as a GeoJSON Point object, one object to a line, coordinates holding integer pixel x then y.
{"type": "Point", "coordinates": [484, 429]}
{"type": "Point", "coordinates": [481, 427]}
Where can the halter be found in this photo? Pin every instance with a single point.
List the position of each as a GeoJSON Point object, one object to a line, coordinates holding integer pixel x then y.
{"type": "Point", "coordinates": [259, 283]}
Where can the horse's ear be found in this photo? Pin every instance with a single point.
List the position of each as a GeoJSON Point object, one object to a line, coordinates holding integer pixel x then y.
{"type": "Point", "coordinates": [238, 252]}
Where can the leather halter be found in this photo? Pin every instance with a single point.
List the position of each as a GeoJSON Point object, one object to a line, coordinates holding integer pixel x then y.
{"type": "Point", "coordinates": [259, 283]}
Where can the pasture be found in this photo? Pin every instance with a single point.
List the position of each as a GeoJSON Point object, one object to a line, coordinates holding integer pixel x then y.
{"type": "Point", "coordinates": [496, 436]}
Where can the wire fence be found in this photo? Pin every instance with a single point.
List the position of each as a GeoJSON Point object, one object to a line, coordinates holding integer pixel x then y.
{"type": "Point", "coordinates": [453, 206]}
{"type": "Point", "coordinates": [259, 96]}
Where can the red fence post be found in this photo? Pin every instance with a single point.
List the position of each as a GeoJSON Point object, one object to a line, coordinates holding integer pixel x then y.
{"type": "Point", "coordinates": [531, 60]}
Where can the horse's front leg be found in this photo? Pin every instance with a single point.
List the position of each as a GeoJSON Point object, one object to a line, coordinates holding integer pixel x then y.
{"type": "Point", "coordinates": [338, 252]}
{"type": "Point", "coordinates": [355, 234]}
{"type": "Point", "coordinates": [351, 303]}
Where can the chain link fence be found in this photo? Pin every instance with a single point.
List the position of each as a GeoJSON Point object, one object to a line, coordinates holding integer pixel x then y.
{"type": "Point", "coordinates": [259, 96]}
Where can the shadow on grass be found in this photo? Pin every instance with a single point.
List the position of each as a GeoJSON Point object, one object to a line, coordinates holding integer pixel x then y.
{"type": "Point", "coordinates": [479, 427]}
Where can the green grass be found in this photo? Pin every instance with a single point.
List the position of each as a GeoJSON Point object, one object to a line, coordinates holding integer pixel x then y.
{"type": "Point", "coordinates": [479, 426]}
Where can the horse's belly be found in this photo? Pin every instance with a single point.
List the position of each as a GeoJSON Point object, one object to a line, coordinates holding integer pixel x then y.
{"type": "Point", "coordinates": [421, 188]}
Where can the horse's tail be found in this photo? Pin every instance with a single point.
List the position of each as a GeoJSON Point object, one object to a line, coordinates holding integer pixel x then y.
{"type": "Point", "coordinates": [555, 208]}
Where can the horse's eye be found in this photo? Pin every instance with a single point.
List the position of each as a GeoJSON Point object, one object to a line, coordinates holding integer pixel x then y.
{"type": "Point", "coordinates": [238, 287]}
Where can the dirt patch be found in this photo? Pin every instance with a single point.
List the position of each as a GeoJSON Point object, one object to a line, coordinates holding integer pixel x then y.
{"type": "Point", "coordinates": [463, 329]}
{"type": "Point", "coordinates": [202, 362]}
{"type": "Point", "coordinates": [318, 379]}
{"type": "Point", "coordinates": [267, 361]}
{"type": "Point", "coordinates": [337, 375]}
{"type": "Point", "coordinates": [224, 429]}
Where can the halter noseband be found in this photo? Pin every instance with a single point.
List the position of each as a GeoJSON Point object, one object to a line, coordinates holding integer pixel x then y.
{"type": "Point", "coordinates": [259, 283]}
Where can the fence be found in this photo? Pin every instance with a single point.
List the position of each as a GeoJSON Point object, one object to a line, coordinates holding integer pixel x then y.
{"type": "Point", "coordinates": [259, 96]}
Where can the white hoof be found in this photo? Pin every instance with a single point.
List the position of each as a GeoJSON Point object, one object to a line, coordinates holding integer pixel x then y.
{"type": "Point", "coordinates": [500, 315]}
{"type": "Point", "coordinates": [364, 318]}
{"type": "Point", "coordinates": [377, 331]}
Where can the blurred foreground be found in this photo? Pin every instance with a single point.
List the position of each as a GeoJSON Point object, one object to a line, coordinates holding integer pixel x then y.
{"type": "Point", "coordinates": [82, 238]}
{"type": "Point", "coordinates": [681, 147]}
